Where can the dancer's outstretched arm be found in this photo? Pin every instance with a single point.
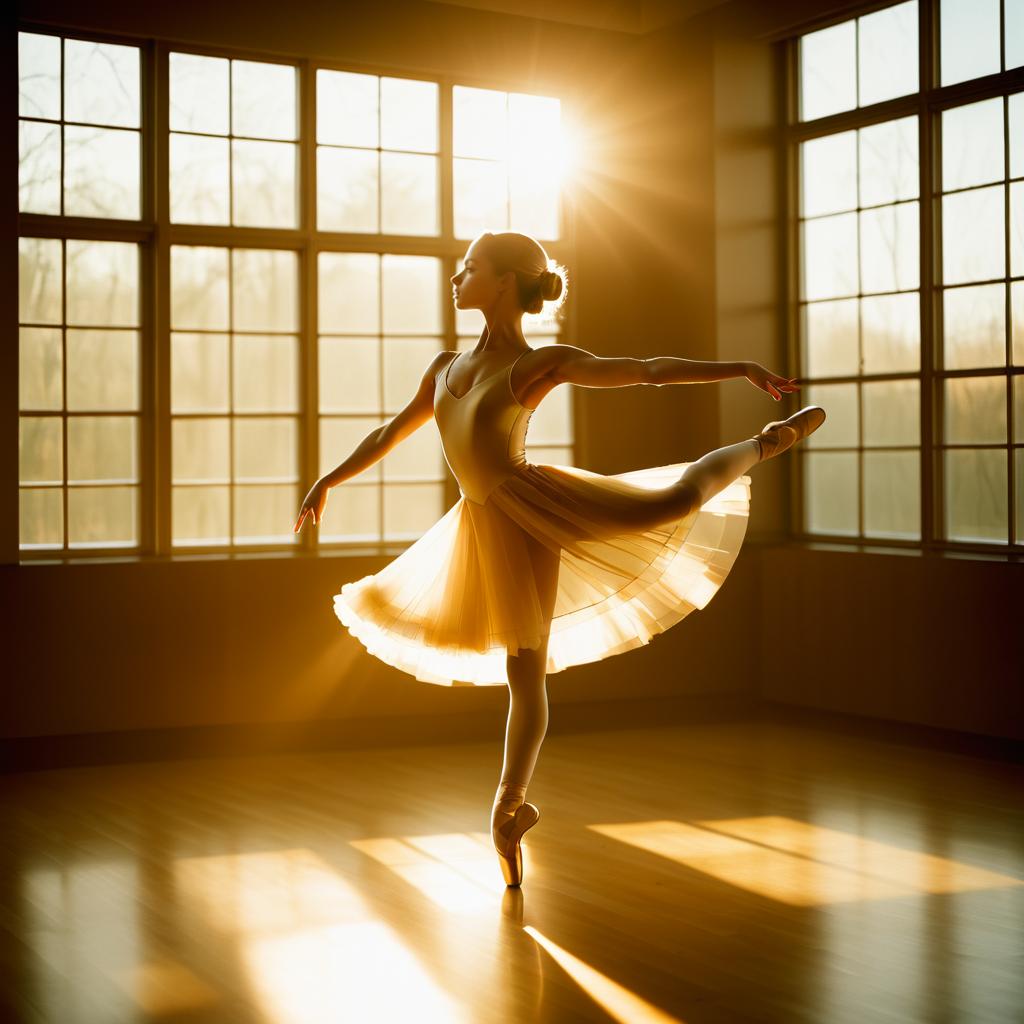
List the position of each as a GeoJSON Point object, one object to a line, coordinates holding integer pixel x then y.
{"type": "Point", "coordinates": [376, 444]}
{"type": "Point", "coordinates": [572, 365]}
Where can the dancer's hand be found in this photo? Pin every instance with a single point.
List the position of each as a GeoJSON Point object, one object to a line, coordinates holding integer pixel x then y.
{"type": "Point", "coordinates": [313, 504]}
{"type": "Point", "coordinates": [761, 377]}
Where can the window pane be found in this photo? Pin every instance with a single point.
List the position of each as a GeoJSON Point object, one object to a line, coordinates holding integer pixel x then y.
{"type": "Point", "coordinates": [349, 374]}
{"type": "Point", "coordinates": [892, 412]}
{"type": "Point", "coordinates": [40, 281]}
{"type": "Point", "coordinates": [346, 108]}
{"type": "Point", "coordinates": [972, 144]}
{"type": "Point", "coordinates": [972, 232]}
{"type": "Point", "coordinates": [40, 450]}
{"type": "Point", "coordinates": [481, 197]}
{"type": "Point", "coordinates": [976, 495]}
{"type": "Point", "coordinates": [889, 168]}
{"type": "Point", "coordinates": [264, 183]}
{"type": "Point", "coordinates": [41, 517]}
{"type": "Point", "coordinates": [409, 194]}
{"type": "Point", "coordinates": [39, 368]}
{"type": "Point", "coordinates": [534, 199]}
{"type": "Point", "coordinates": [975, 410]}
{"type": "Point", "coordinates": [101, 172]}
{"type": "Point", "coordinates": [969, 39]}
{"type": "Point", "coordinates": [200, 515]}
{"type": "Point", "coordinates": [840, 428]}
{"type": "Point", "coordinates": [265, 289]}
{"type": "Point", "coordinates": [408, 115]}
{"type": "Point", "coordinates": [102, 448]}
{"type": "Point", "coordinates": [349, 292]}
{"type": "Point", "coordinates": [830, 335]}
{"type": "Point", "coordinates": [887, 49]}
{"type": "Point", "coordinates": [830, 257]}
{"type": "Point", "coordinates": [199, 93]}
{"type": "Point", "coordinates": [892, 498]}
{"type": "Point", "coordinates": [103, 283]}
{"type": "Point", "coordinates": [38, 167]}
{"type": "Point", "coordinates": [1017, 228]}
{"type": "Point", "coordinates": [38, 75]}
{"type": "Point", "coordinates": [200, 450]}
{"type": "Point", "coordinates": [830, 492]}
{"type": "Point", "coordinates": [347, 189]}
{"type": "Point", "coordinates": [103, 370]}
{"type": "Point", "coordinates": [891, 333]}
{"type": "Point", "coordinates": [101, 83]}
{"type": "Point", "coordinates": [265, 515]}
{"type": "Point", "coordinates": [199, 372]}
{"type": "Point", "coordinates": [1013, 18]}
{"type": "Point", "coordinates": [263, 100]}
{"type": "Point", "coordinates": [1018, 409]}
{"type": "Point", "coordinates": [1017, 316]}
{"type": "Point", "coordinates": [410, 509]}
{"type": "Point", "coordinates": [890, 248]}
{"type": "Point", "coordinates": [199, 187]}
{"type": "Point", "coordinates": [1016, 117]}
{"type": "Point", "coordinates": [266, 373]}
{"type": "Point", "coordinates": [338, 438]}
{"type": "Point", "coordinates": [828, 70]}
{"type": "Point", "coordinates": [199, 287]}
{"type": "Point", "coordinates": [102, 517]}
{"type": "Point", "coordinates": [480, 123]}
{"type": "Point", "coordinates": [974, 327]}
{"type": "Point", "coordinates": [405, 359]}
{"type": "Point", "coordinates": [355, 518]}
{"type": "Point", "coordinates": [412, 294]}
{"type": "Point", "coordinates": [266, 449]}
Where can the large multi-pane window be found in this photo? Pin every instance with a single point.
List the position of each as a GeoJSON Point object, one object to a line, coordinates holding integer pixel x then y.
{"type": "Point", "coordinates": [217, 305]}
{"type": "Point", "coordinates": [910, 295]}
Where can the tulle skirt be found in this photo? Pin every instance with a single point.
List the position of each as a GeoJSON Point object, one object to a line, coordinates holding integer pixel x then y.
{"type": "Point", "coordinates": [470, 590]}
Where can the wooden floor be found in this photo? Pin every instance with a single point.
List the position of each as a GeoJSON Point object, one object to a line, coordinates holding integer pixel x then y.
{"type": "Point", "coordinates": [705, 873]}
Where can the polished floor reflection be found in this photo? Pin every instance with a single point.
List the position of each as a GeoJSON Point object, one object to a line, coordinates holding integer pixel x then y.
{"type": "Point", "coordinates": [720, 873]}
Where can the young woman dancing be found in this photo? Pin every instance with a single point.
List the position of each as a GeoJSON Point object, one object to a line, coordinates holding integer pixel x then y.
{"type": "Point", "coordinates": [538, 567]}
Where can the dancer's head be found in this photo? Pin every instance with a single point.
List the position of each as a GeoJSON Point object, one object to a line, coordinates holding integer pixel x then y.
{"type": "Point", "coordinates": [508, 272]}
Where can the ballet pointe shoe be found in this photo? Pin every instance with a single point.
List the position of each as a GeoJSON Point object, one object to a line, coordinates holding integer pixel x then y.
{"type": "Point", "coordinates": [777, 436]}
{"type": "Point", "coordinates": [511, 857]}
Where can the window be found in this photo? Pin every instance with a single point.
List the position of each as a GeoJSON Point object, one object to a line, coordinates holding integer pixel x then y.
{"type": "Point", "coordinates": [210, 324]}
{"type": "Point", "coordinates": [909, 311]}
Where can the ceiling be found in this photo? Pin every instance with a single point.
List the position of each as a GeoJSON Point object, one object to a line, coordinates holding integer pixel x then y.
{"type": "Point", "coordinates": [636, 16]}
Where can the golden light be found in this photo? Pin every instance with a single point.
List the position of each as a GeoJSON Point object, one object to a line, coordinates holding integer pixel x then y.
{"type": "Point", "coordinates": [801, 863]}
{"type": "Point", "coordinates": [617, 1001]}
{"type": "Point", "coordinates": [311, 946]}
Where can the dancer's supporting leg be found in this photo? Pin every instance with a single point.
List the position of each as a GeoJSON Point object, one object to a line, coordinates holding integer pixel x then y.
{"type": "Point", "coordinates": [528, 701]}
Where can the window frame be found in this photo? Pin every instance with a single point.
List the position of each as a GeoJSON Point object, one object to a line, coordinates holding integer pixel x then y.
{"type": "Point", "coordinates": [927, 105]}
{"type": "Point", "coordinates": [156, 234]}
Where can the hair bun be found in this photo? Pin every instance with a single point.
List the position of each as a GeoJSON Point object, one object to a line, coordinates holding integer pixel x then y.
{"type": "Point", "coordinates": [550, 285]}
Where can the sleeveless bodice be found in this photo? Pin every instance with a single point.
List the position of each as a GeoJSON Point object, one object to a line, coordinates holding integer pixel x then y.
{"type": "Point", "coordinates": [483, 433]}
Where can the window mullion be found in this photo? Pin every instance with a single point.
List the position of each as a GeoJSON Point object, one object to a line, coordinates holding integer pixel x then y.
{"type": "Point", "coordinates": [158, 378]}
{"type": "Point", "coordinates": [930, 191]}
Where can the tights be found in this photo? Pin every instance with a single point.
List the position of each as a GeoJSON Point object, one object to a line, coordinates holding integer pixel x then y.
{"type": "Point", "coordinates": [527, 682]}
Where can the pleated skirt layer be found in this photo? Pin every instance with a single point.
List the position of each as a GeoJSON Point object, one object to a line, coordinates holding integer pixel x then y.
{"type": "Point", "coordinates": [472, 589]}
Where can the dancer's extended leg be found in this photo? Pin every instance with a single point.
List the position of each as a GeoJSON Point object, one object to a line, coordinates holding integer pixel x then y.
{"type": "Point", "coordinates": [717, 469]}
{"type": "Point", "coordinates": [527, 721]}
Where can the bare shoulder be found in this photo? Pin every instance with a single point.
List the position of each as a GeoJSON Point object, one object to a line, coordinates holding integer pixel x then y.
{"type": "Point", "coordinates": [440, 359]}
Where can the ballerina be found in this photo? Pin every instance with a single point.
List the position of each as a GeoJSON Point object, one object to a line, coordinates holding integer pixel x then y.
{"type": "Point", "coordinates": [538, 567]}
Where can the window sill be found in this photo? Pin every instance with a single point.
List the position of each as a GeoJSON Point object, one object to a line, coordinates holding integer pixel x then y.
{"type": "Point", "coordinates": [367, 551]}
{"type": "Point", "coordinates": [868, 548]}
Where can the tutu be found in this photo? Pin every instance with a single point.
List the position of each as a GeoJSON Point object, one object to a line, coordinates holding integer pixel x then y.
{"type": "Point", "coordinates": [468, 592]}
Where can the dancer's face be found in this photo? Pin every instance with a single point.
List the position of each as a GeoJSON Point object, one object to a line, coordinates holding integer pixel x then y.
{"type": "Point", "coordinates": [476, 286]}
